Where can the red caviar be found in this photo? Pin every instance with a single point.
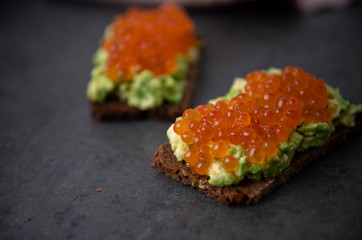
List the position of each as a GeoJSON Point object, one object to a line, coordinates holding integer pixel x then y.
{"type": "Point", "coordinates": [148, 39]}
{"type": "Point", "coordinates": [258, 119]}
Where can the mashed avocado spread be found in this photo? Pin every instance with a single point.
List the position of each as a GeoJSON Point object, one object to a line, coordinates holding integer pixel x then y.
{"type": "Point", "coordinates": [306, 135]}
{"type": "Point", "coordinates": [145, 91]}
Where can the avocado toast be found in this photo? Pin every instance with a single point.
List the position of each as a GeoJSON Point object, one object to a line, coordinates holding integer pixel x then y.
{"type": "Point", "coordinates": [239, 147]}
{"type": "Point", "coordinates": [146, 66]}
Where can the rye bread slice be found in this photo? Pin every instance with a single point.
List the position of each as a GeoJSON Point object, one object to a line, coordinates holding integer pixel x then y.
{"type": "Point", "coordinates": [115, 109]}
{"type": "Point", "coordinates": [247, 191]}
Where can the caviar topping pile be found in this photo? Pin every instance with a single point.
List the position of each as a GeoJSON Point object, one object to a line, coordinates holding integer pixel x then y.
{"type": "Point", "coordinates": [258, 120]}
{"type": "Point", "coordinates": [148, 39]}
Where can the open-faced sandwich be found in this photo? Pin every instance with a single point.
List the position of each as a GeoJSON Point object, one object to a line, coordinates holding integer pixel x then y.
{"type": "Point", "coordinates": [146, 65]}
{"type": "Point", "coordinates": [239, 147]}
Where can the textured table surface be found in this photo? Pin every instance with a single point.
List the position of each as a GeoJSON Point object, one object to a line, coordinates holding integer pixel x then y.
{"type": "Point", "coordinates": [53, 155]}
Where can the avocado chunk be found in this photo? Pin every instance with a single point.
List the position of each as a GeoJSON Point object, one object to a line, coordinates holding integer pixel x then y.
{"type": "Point", "coordinates": [179, 148]}
{"type": "Point", "coordinates": [343, 112]}
{"type": "Point", "coordinates": [99, 88]}
{"type": "Point", "coordinates": [145, 92]}
{"type": "Point", "coordinates": [182, 68]}
{"type": "Point", "coordinates": [172, 89]}
{"type": "Point", "coordinates": [315, 135]}
{"type": "Point", "coordinates": [220, 177]}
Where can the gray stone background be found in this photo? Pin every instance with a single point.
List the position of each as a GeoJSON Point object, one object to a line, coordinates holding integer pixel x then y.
{"type": "Point", "coordinates": [53, 155]}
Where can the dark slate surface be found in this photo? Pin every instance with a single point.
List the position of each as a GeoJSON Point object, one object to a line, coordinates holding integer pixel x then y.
{"type": "Point", "coordinates": [54, 155]}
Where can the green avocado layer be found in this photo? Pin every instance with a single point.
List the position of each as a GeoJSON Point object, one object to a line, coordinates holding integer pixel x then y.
{"type": "Point", "coordinates": [305, 136]}
{"type": "Point", "coordinates": [145, 91]}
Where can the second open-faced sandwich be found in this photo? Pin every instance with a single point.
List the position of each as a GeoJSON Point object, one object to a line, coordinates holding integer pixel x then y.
{"type": "Point", "coordinates": [239, 147]}
{"type": "Point", "coordinates": [146, 65]}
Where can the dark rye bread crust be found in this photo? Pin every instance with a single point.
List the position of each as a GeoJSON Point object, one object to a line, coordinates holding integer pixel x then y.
{"type": "Point", "coordinates": [247, 191]}
{"type": "Point", "coordinates": [115, 109]}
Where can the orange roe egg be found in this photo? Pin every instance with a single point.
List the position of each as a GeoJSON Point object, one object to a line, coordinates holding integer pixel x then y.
{"type": "Point", "coordinates": [269, 99]}
{"type": "Point", "coordinates": [254, 89]}
{"type": "Point", "coordinates": [240, 106]}
{"type": "Point", "coordinates": [194, 126]}
{"type": "Point", "coordinates": [220, 149]}
{"type": "Point", "coordinates": [257, 141]}
{"type": "Point", "coordinates": [148, 39]}
{"type": "Point", "coordinates": [256, 155]}
{"type": "Point", "coordinates": [221, 106]}
{"type": "Point", "coordinates": [240, 98]}
{"type": "Point", "coordinates": [294, 104]}
{"type": "Point", "coordinates": [257, 76]}
{"type": "Point", "coordinates": [272, 84]}
{"type": "Point", "coordinates": [198, 140]}
{"type": "Point", "coordinates": [207, 131]}
{"type": "Point", "coordinates": [213, 115]}
{"type": "Point", "coordinates": [180, 126]}
{"type": "Point", "coordinates": [191, 115]}
{"type": "Point", "coordinates": [208, 108]}
{"type": "Point", "coordinates": [202, 166]}
{"type": "Point", "coordinates": [221, 133]}
{"type": "Point", "coordinates": [192, 156]}
{"type": "Point", "coordinates": [205, 153]}
{"type": "Point", "coordinates": [268, 117]}
{"type": "Point", "coordinates": [248, 134]}
{"type": "Point", "coordinates": [282, 132]}
{"type": "Point", "coordinates": [258, 120]}
{"type": "Point", "coordinates": [270, 148]}
{"type": "Point", "coordinates": [243, 118]}
{"type": "Point", "coordinates": [230, 164]}
{"type": "Point", "coordinates": [188, 137]}
{"type": "Point", "coordinates": [219, 123]}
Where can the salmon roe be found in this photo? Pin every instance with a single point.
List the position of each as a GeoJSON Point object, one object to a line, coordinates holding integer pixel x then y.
{"type": "Point", "coordinates": [258, 119]}
{"type": "Point", "coordinates": [148, 39]}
